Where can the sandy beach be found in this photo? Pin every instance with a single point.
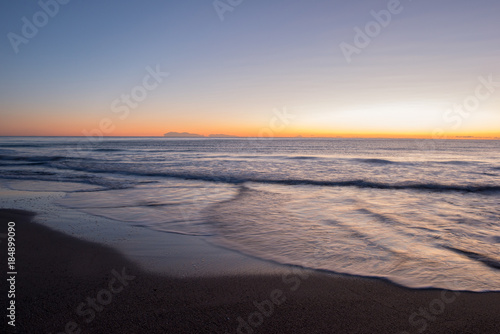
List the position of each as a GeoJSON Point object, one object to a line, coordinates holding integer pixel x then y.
{"type": "Point", "coordinates": [65, 285]}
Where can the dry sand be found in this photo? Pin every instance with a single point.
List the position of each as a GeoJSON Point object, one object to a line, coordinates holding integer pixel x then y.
{"type": "Point", "coordinates": [65, 285]}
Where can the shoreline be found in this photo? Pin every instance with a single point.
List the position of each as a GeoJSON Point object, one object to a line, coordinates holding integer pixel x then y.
{"type": "Point", "coordinates": [158, 252]}
{"type": "Point", "coordinates": [67, 285]}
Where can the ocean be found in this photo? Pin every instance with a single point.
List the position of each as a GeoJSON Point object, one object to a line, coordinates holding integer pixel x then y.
{"type": "Point", "coordinates": [421, 213]}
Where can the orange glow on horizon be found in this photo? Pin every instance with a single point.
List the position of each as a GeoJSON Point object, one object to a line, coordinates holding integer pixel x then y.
{"type": "Point", "coordinates": [141, 124]}
{"type": "Point", "coordinates": [158, 131]}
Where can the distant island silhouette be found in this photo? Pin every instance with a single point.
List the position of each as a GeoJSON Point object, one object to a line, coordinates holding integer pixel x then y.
{"type": "Point", "coordinates": [182, 135]}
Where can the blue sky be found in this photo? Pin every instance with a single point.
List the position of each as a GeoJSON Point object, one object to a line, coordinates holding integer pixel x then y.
{"type": "Point", "coordinates": [229, 75]}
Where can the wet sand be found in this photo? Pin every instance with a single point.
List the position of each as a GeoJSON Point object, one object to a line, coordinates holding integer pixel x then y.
{"type": "Point", "coordinates": [66, 285]}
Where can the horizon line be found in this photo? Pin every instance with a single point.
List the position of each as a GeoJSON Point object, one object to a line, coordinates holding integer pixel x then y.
{"type": "Point", "coordinates": [261, 138]}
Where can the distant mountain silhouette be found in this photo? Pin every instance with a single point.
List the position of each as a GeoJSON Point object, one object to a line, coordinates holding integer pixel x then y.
{"type": "Point", "coordinates": [182, 135]}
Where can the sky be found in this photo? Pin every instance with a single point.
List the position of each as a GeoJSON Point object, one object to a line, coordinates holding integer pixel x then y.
{"type": "Point", "coordinates": [278, 68]}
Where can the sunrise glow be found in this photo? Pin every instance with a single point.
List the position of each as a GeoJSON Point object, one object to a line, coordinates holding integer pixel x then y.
{"type": "Point", "coordinates": [140, 78]}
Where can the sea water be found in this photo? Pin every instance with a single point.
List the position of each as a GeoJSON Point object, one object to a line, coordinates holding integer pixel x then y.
{"type": "Point", "coordinates": [421, 213]}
